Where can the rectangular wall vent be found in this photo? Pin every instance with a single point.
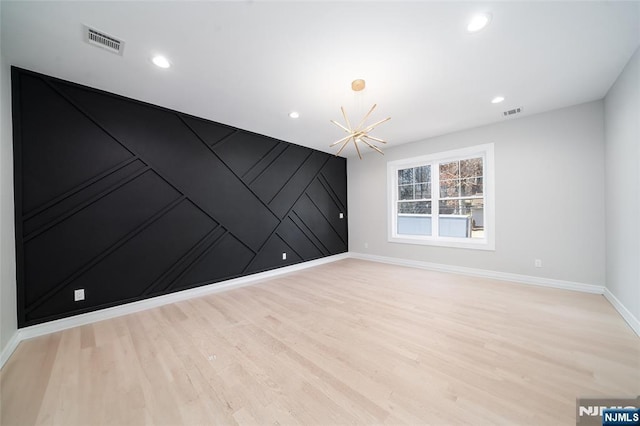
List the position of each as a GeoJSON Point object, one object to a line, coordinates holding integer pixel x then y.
{"type": "Point", "coordinates": [512, 112]}
{"type": "Point", "coordinates": [100, 39]}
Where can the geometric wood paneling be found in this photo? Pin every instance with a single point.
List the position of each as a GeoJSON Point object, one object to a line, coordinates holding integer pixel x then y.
{"type": "Point", "coordinates": [128, 200]}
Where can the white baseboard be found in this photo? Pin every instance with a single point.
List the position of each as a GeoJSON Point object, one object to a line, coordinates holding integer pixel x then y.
{"type": "Point", "coordinates": [503, 276]}
{"type": "Point", "coordinates": [11, 346]}
{"type": "Point", "coordinates": [633, 322]}
{"type": "Point", "coordinates": [129, 308]}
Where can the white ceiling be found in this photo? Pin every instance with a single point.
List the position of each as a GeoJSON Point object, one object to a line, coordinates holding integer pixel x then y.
{"type": "Point", "coordinates": [249, 63]}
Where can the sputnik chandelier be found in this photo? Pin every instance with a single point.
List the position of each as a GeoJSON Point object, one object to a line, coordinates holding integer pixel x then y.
{"type": "Point", "coordinates": [360, 133]}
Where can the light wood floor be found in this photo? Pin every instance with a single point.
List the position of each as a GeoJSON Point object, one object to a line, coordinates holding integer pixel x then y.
{"type": "Point", "coordinates": [349, 342]}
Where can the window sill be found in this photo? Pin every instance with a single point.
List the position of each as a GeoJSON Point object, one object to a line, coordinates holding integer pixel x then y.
{"type": "Point", "coordinates": [476, 244]}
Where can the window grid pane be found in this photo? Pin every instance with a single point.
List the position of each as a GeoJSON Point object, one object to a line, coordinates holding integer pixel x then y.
{"type": "Point", "coordinates": [414, 183]}
{"type": "Point", "coordinates": [461, 178]}
{"type": "Point", "coordinates": [471, 167]}
{"type": "Point", "coordinates": [414, 207]}
{"type": "Point", "coordinates": [462, 218]}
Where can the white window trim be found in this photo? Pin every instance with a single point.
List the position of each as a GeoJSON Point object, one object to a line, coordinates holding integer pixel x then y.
{"type": "Point", "coordinates": [488, 242]}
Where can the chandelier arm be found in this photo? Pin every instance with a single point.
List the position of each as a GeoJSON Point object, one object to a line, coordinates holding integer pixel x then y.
{"type": "Point", "coordinates": [341, 126]}
{"type": "Point", "coordinates": [375, 139]}
{"type": "Point", "coordinates": [372, 146]}
{"type": "Point", "coordinates": [355, 142]}
{"type": "Point", "coordinates": [346, 120]}
{"type": "Point", "coordinates": [343, 145]}
{"type": "Point", "coordinates": [371, 127]}
{"type": "Point", "coordinates": [341, 140]}
{"type": "Point", "coordinates": [366, 116]}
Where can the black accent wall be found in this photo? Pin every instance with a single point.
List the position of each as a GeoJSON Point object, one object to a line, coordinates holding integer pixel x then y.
{"type": "Point", "coordinates": [129, 200]}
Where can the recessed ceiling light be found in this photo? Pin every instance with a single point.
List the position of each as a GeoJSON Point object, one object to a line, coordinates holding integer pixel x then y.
{"type": "Point", "coordinates": [478, 22]}
{"type": "Point", "coordinates": [161, 61]}
{"type": "Point", "coordinates": [294, 114]}
{"type": "Point", "coordinates": [497, 99]}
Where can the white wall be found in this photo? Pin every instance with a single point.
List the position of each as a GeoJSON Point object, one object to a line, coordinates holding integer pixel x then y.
{"type": "Point", "coordinates": [549, 197]}
{"type": "Point", "coordinates": [8, 322]}
{"type": "Point", "coordinates": [622, 154]}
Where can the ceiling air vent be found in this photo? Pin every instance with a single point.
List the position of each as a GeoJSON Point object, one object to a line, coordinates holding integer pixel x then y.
{"type": "Point", "coordinates": [101, 39]}
{"type": "Point", "coordinates": [512, 112]}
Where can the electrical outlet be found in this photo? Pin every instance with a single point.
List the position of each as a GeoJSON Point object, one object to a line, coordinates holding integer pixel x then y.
{"type": "Point", "coordinates": [537, 263]}
{"type": "Point", "coordinates": [78, 295]}
{"type": "Point", "coordinates": [366, 245]}
{"type": "Point", "coordinates": [284, 256]}
{"type": "Point", "coordinates": [341, 215]}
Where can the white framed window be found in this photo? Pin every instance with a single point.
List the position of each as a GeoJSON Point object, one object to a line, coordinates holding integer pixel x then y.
{"type": "Point", "coordinates": [443, 199]}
